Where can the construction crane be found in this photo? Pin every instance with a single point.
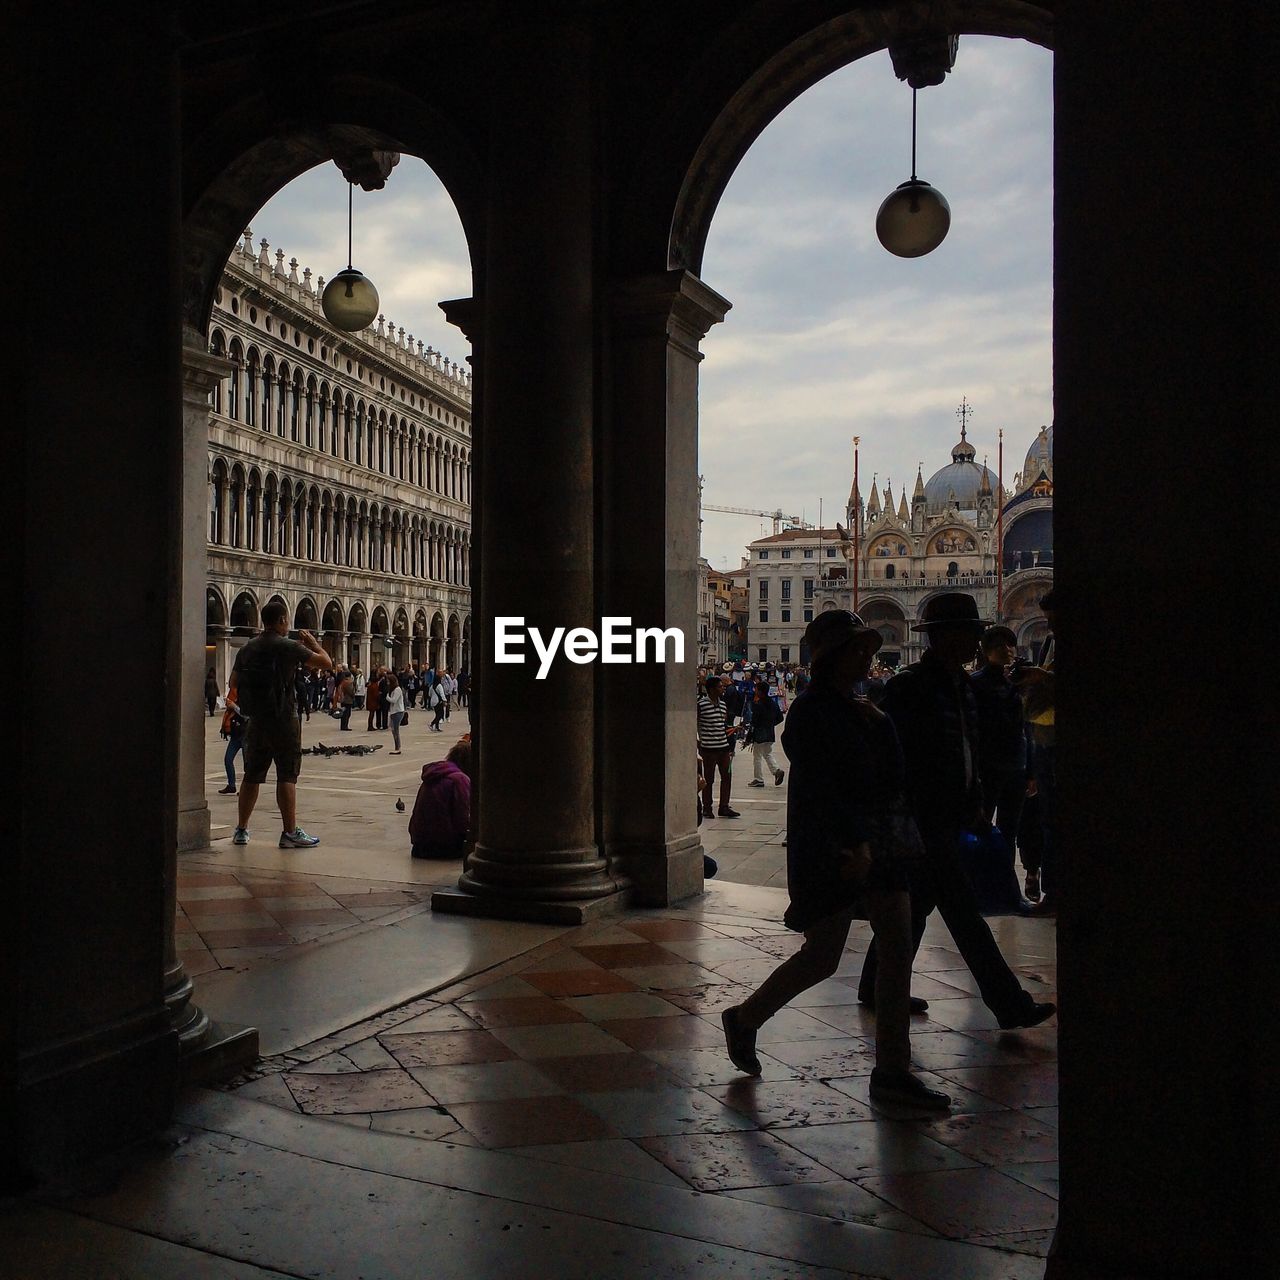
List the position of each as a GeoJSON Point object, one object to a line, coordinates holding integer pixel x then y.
{"type": "Point", "coordinates": [792, 522]}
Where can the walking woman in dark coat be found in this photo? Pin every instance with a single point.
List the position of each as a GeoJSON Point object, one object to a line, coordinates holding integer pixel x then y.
{"type": "Point", "coordinates": [849, 840]}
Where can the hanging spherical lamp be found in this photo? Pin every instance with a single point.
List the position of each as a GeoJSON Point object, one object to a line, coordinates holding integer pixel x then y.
{"type": "Point", "coordinates": [349, 301]}
{"type": "Point", "coordinates": [915, 218]}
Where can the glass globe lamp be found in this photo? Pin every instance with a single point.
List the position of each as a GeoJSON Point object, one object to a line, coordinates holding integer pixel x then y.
{"type": "Point", "coordinates": [349, 301]}
{"type": "Point", "coordinates": [913, 220]}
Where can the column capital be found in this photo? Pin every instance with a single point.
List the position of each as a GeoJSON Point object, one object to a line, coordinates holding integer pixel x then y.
{"type": "Point", "coordinates": [201, 369]}
{"type": "Point", "coordinates": [465, 314]}
{"type": "Point", "coordinates": [675, 302]}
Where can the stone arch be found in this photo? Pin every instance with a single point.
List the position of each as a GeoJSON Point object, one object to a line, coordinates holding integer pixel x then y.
{"type": "Point", "coordinates": [251, 159]}
{"type": "Point", "coordinates": [741, 83]}
{"type": "Point", "coordinates": [244, 613]}
{"type": "Point", "coordinates": [333, 629]}
{"type": "Point", "coordinates": [889, 618]}
{"type": "Point", "coordinates": [401, 638]}
{"type": "Point", "coordinates": [218, 490]}
{"type": "Point", "coordinates": [437, 639]}
{"type": "Point", "coordinates": [421, 637]}
{"type": "Point", "coordinates": [453, 643]}
{"type": "Point", "coordinates": [305, 616]}
{"type": "Point", "coordinates": [215, 607]}
{"type": "Point", "coordinates": [379, 638]}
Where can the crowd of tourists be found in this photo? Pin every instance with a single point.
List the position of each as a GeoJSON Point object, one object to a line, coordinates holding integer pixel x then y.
{"type": "Point", "coordinates": [277, 682]}
{"type": "Point", "coordinates": [891, 781]}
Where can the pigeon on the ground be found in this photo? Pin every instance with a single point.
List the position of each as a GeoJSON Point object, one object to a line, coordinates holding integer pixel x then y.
{"type": "Point", "coordinates": [399, 805]}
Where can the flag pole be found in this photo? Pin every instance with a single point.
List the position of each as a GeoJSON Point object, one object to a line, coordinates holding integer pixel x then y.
{"type": "Point", "coordinates": [1000, 531]}
{"type": "Point", "coordinates": [857, 520]}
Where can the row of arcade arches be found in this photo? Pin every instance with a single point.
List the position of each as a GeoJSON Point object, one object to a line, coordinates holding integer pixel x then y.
{"type": "Point", "coordinates": [353, 632]}
{"type": "Point", "coordinates": [305, 410]}
{"type": "Point", "coordinates": [294, 518]}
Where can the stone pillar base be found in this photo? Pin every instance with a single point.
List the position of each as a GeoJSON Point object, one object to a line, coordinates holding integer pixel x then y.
{"type": "Point", "coordinates": [227, 1050]}
{"type": "Point", "coordinates": [493, 906]}
{"type": "Point", "coordinates": [193, 827]}
{"type": "Point", "coordinates": [664, 874]}
{"type": "Point", "coordinates": [552, 875]}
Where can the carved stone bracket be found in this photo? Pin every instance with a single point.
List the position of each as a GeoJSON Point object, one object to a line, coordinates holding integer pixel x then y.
{"type": "Point", "coordinates": [923, 58]}
{"type": "Point", "coordinates": [369, 168]}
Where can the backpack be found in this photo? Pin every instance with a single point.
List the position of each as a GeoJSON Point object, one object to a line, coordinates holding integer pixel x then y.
{"type": "Point", "coordinates": [263, 683]}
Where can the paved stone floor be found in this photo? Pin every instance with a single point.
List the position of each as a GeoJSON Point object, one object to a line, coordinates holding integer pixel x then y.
{"type": "Point", "coordinates": [238, 905]}
{"type": "Point", "coordinates": [453, 1097]}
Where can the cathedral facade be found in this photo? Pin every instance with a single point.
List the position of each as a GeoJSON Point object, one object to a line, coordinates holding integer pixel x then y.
{"type": "Point", "coordinates": [339, 477]}
{"type": "Point", "coordinates": [957, 532]}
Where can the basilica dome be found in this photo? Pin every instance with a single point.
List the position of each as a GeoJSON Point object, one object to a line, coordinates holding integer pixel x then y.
{"type": "Point", "coordinates": [962, 478]}
{"type": "Point", "coordinates": [1039, 457]}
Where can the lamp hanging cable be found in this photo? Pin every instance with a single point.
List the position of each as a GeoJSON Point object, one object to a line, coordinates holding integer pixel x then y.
{"type": "Point", "coordinates": [351, 188]}
{"type": "Point", "coordinates": [913, 135]}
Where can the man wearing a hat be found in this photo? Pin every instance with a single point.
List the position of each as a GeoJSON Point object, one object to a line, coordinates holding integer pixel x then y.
{"type": "Point", "coordinates": [1002, 738]}
{"type": "Point", "coordinates": [932, 707]}
{"type": "Point", "coordinates": [845, 856]}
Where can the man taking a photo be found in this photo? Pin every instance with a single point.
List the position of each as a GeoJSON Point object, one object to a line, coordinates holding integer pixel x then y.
{"type": "Point", "coordinates": [264, 680]}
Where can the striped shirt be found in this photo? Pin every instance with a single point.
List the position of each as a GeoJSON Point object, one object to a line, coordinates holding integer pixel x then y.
{"type": "Point", "coordinates": [712, 717]}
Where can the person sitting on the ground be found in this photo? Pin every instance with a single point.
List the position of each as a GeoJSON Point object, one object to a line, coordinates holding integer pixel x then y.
{"type": "Point", "coordinates": [442, 812]}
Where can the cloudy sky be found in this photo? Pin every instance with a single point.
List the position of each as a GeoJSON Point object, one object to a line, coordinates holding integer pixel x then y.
{"type": "Point", "coordinates": [829, 336]}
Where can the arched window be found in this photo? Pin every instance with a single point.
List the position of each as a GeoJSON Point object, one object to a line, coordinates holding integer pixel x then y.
{"type": "Point", "coordinates": [236, 355]}
{"type": "Point", "coordinates": [253, 501]}
{"type": "Point", "coordinates": [251, 388]}
{"type": "Point", "coordinates": [952, 569]}
{"type": "Point", "coordinates": [300, 401]}
{"type": "Point", "coordinates": [268, 391]}
{"type": "Point", "coordinates": [217, 495]}
{"type": "Point", "coordinates": [217, 345]}
{"type": "Point", "coordinates": [236, 498]}
{"type": "Point", "coordinates": [890, 570]}
{"type": "Point", "coordinates": [269, 542]}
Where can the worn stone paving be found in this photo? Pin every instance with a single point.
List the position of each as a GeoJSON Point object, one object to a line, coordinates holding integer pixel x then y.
{"type": "Point", "coordinates": [602, 1050]}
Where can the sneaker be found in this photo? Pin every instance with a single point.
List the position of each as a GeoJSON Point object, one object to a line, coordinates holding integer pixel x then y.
{"type": "Point", "coordinates": [740, 1041]}
{"type": "Point", "coordinates": [241, 836]}
{"type": "Point", "coordinates": [730, 813]}
{"type": "Point", "coordinates": [778, 777]}
{"type": "Point", "coordinates": [709, 813]}
{"type": "Point", "coordinates": [753, 783]}
{"type": "Point", "coordinates": [226, 791]}
{"type": "Point", "coordinates": [903, 1089]}
{"type": "Point", "coordinates": [1033, 886]}
{"type": "Point", "coordinates": [298, 839]}
{"type": "Point", "coordinates": [1032, 1015]}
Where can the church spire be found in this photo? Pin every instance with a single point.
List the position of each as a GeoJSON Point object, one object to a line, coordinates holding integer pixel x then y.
{"type": "Point", "coordinates": [903, 514]}
{"type": "Point", "coordinates": [918, 494]}
{"type": "Point", "coordinates": [873, 502]}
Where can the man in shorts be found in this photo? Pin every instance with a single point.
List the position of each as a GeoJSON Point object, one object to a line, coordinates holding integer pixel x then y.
{"type": "Point", "coordinates": [264, 680]}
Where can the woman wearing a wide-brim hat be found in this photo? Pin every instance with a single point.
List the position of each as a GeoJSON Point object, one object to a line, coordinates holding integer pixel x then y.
{"type": "Point", "coordinates": [848, 843]}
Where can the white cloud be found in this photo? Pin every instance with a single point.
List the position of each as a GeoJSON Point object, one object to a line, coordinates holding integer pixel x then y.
{"type": "Point", "coordinates": [829, 335]}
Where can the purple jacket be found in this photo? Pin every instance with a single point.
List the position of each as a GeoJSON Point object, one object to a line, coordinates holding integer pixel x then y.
{"type": "Point", "coordinates": [442, 811]}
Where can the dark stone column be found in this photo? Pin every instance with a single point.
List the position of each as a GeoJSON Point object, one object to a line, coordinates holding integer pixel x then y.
{"type": "Point", "coordinates": [650, 532]}
{"type": "Point", "coordinates": [1165, 339]}
{"type": "Point", "coordinates": [537, 848]}
{"type": "Point", "coordinates": [201, 371]}
{"type": "Point", "coordinates": [88, 1058]}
